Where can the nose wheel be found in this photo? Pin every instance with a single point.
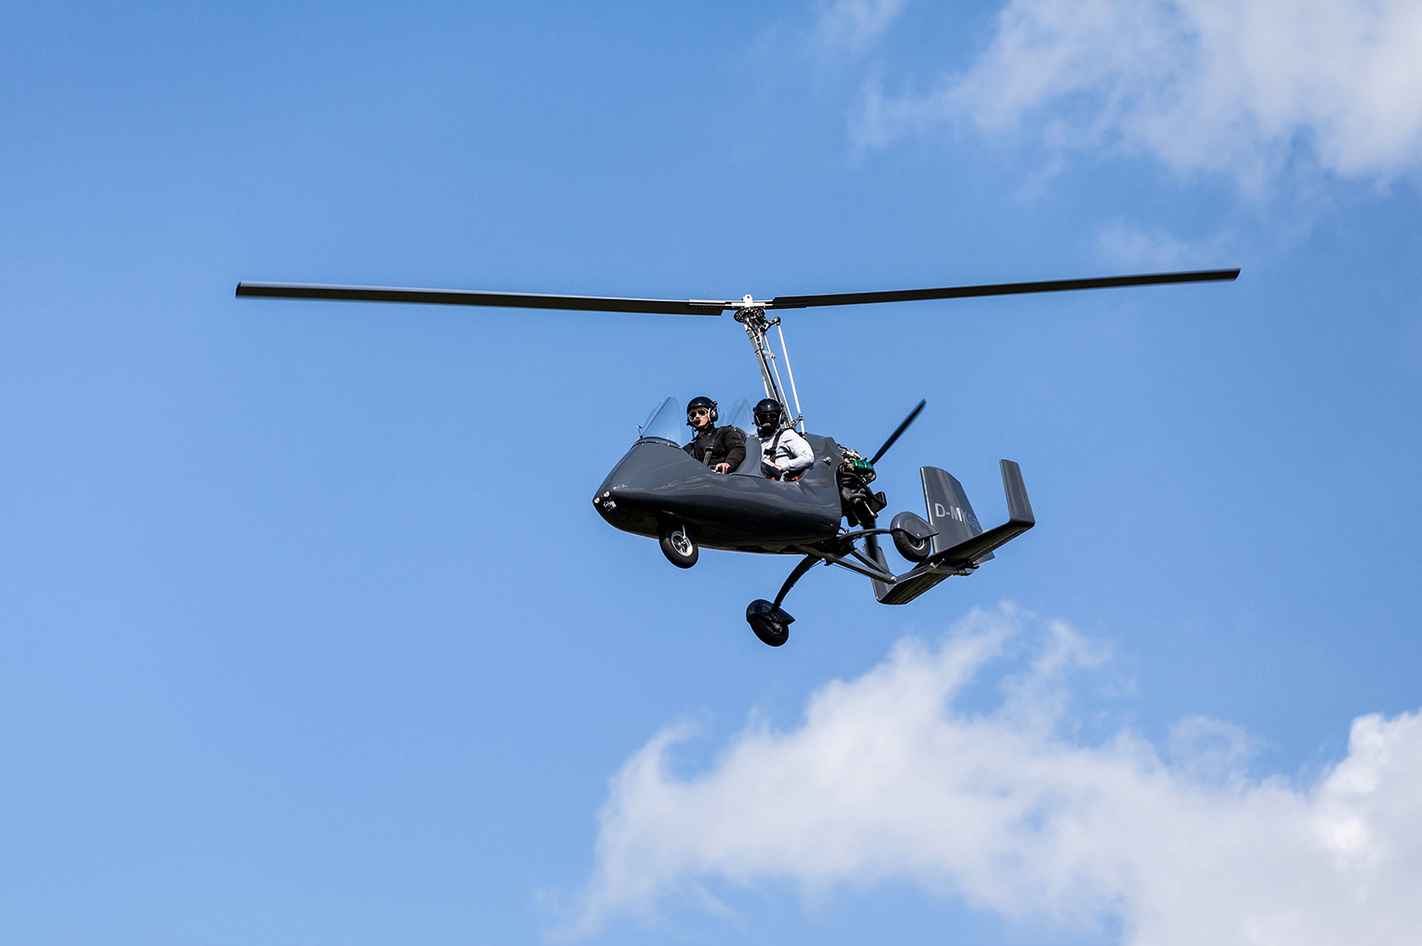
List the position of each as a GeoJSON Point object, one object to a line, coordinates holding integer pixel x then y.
{"type": "Point", "coordinates": [678, 546]}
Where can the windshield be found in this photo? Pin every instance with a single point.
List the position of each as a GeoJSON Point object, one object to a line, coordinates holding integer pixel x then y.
{"type": "Point", "coordinates": [739, 415]}
{"type": "Point", "coordinates": [665, 421]}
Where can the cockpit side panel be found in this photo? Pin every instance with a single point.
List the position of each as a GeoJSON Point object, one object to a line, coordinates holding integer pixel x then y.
{"type": "Point", "coordinates": [657, 483]}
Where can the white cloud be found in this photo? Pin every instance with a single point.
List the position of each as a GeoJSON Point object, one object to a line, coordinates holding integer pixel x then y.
{"type": "Point", "coordinates": [853, 24]}
{"type": "Point", "coordinates": [885, 780]}
{"type": "Point", "coordinates": [1214, 85]}
{"type": "Point", "coordinates": [1122, 244]}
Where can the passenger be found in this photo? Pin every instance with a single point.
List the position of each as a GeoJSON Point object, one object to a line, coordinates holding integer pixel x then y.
{"type": "Point", "coordinates": [721, 448]}
{"type": "Point", "coordinates": [784, 454]}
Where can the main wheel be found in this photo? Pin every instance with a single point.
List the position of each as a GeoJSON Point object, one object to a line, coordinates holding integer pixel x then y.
{"type": "Point", "coordinates": [679, 547]}
{"type": "Point", "coordinates": [903, 527]}
{"type": "Point", "coordinates": [915, 550]}
{"type": "Point", "coordinates": [770, 624]}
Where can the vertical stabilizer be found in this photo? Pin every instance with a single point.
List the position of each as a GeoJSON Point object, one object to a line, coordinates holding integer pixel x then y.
{"type": "Point", "coordinates": [949, 510]}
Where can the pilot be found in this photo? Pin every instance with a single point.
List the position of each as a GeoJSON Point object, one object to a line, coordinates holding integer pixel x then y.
{"type": "Point", "coordinates": [784, 454]}
{"type": "Point", "coordinates": [721, 448]}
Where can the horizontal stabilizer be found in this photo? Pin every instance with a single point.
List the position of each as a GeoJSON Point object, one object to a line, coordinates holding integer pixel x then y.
{"type": "Point", "coordinates": [960, 545]}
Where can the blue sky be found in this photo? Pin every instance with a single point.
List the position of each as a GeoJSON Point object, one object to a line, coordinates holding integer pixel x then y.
{"type": "Point", "coordinates": [308, 630]}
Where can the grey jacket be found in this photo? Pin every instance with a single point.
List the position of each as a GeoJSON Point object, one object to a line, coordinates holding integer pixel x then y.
{"type": "Point", "coordinates": [789, 451]}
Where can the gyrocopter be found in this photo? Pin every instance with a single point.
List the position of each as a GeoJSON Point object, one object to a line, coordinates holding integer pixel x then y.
{"type": "Point", "coordinates": [828, 514]}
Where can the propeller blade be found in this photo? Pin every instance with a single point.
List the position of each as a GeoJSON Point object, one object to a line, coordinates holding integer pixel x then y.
{"type": "Point", "coordinates": [1000, 289]}
{"type": "Point", "coordinates": [895, 435]}
{"type": "Point", "coordinates": [512, 300]}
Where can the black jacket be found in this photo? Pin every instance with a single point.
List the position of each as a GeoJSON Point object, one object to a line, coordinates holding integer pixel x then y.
{"type": "Point", "coordinates": [726, 445]}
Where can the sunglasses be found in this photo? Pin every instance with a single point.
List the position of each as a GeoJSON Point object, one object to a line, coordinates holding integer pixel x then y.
{"type": "Point", "coordinates": [700, 412]}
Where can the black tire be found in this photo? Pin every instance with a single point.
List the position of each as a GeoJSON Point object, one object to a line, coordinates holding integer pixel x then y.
{"type": "Point", "coordinates": [915, 550]}
{"type": "Point", "coordinates": [902, 529]}
{"type": "Point", "coordinates": [770, 624]}
{"type": "Point", "coordinates": [769, 630]}
{"type": "Point", "coordinates": [679, 547]}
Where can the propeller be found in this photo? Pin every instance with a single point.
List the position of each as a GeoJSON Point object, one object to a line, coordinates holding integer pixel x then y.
{"type": "Point", "coordinates": [523, 300]}
{"type": "Point", "coordinates": [871, 542]}
{"type": "Point", "coordinates": [913, 415]}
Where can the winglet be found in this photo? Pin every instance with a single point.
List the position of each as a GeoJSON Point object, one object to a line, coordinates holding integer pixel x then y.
{"type": "Point", "coordinates": [1019, 509]}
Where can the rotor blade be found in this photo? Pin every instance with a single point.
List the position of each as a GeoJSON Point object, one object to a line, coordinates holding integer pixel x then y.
{"type": "Point", "coordinates": [513, 300]}
{"type": "Point", "coordinates": [895, 435]}
{"type": "Point", "coordinates": [1000, 289]}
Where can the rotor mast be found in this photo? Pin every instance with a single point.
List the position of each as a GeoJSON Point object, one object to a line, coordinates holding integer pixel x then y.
{"type": "Point", "coordinates": [751, 315]}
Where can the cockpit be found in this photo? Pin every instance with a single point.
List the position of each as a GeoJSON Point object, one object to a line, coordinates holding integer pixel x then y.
{"type": "Point", "coordinates": [667, 422]}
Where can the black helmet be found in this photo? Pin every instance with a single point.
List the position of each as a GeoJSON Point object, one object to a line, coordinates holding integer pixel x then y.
{"type": "Point", "coordinates": [768, 413]}
{"type": "Point", "coordinates": [704, 403]}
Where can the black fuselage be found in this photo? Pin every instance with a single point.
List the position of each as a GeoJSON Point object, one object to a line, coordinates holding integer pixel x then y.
{"type": "Point", "coordinates": [657, 485]}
